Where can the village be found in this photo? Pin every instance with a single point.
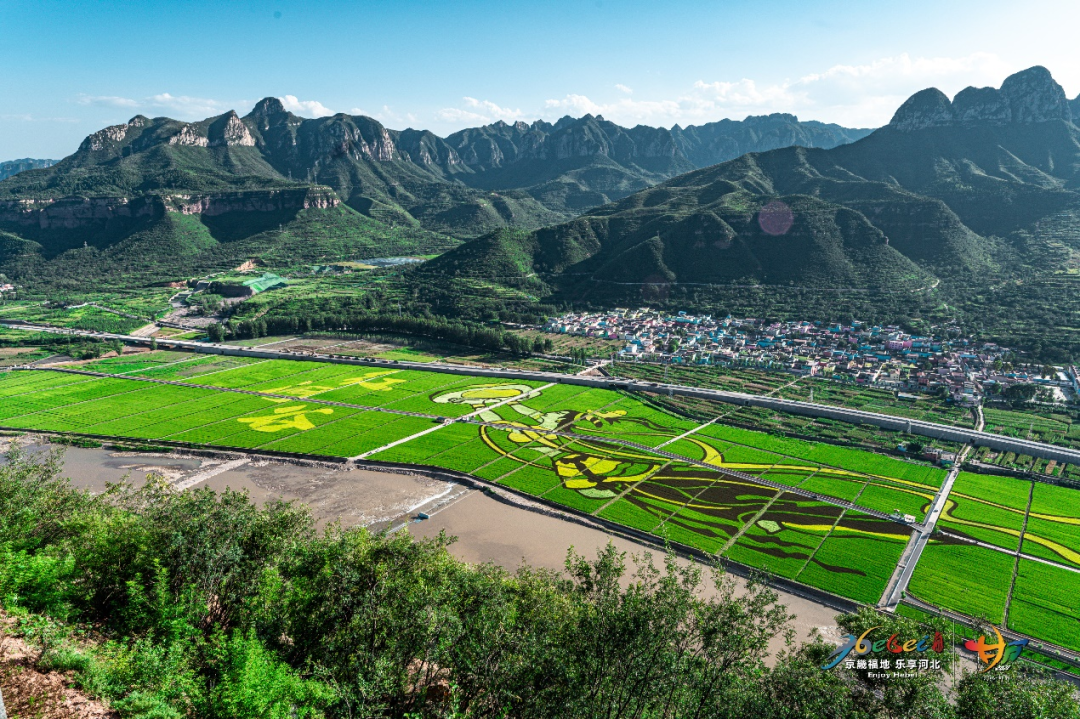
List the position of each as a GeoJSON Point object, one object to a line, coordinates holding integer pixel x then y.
{"type": "Point", "coordinates": [860, 353]}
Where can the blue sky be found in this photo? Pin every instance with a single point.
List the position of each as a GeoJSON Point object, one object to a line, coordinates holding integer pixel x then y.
{"type": "Point", "coordinates": [69, 68]}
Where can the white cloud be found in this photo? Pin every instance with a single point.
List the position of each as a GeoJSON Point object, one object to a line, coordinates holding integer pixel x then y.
{"type": "Point", "coordinates": [478, 112]}
{"type": "Point", "coordinates": [623, 88]}
{"type": "Point", "coordinates": [854, 95]}
{"type": "Point", "coordinates": [311, 108]}
{"type": "Point", "coordinates": [106, 100]}
{"type": "Point", "coordinates": [575, 105]}
{"type": "Point", "coordinates": [186, 106]}
{"type": "Point", "coordinates": [625, 111]}
{"type": "Point", "coordinates": [387, 116]}
{"type": "Point", "coordinates": [489, 108]}
{"type": "Point", "coordinates": [457, 115]}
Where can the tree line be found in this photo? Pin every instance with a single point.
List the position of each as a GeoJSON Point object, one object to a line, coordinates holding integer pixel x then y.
{"type": "Point", "coordinates": [461, 333]}
{"type": "Point", "coordinates": [195, 604]}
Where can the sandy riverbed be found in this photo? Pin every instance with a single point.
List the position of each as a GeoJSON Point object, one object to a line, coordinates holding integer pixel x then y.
{"type": "Point", "coordinates": [487, 530]}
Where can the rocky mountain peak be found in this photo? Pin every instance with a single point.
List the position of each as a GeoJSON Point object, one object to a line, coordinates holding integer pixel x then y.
{"type": "Point", "coordinates": [926, 108]}
{"type": "Point", "coordinates": [1026, 97]}
{"type": "Point", "coordinates": [229, 130]}
{"type": "Point", "coordinates": [1034, 96]}
{"type": "Point", "coordinates": [104, 138]}
{"type": "Point", "coordinates": [268, 106]}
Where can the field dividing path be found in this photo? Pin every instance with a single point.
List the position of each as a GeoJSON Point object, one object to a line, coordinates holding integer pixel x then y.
{"type": "Point", "coordinates": [447, 422]}
{"type": "Point", "coordinates": [924, 428]}
{"type": "Point", "coordinates": [920, 537]}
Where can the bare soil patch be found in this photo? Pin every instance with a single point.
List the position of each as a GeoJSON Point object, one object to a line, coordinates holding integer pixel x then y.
{"type": "Point", "coordinates": [30, 692]}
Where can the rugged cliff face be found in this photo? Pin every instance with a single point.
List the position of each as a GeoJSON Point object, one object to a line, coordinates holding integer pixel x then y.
{"type": "Point", "coordinates": [14, 167]}
{"type": "Point", "coordinates": [470, 182]}
{"type": "Point", "coordinates": [82, 212]}
{"type": "Point", "coordinates": [1028, 97]}
{"type": "Point", "coordinates": [75, 212]}
{"type": "Point", "coordinates": [252, 201]}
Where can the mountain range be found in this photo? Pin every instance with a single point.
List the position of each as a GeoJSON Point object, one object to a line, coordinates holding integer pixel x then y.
{"type": "Point", "coordinates": [981, 189]}
{"type": "Point", "coordinates": [983, 186]}
{"type": "Point", "coordinates": [142, 194]}
{"type": "Point", "coordinates": [13, 167]}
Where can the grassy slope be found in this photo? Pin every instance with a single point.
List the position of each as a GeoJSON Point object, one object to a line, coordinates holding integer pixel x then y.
{"type": "Point", "coordinates": [176, 246]}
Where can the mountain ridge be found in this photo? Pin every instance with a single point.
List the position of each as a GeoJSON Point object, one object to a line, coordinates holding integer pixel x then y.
{"type": "Point", "coordinates": [14, 167]}
{"type": "Point", "coordinates": [566, 166]}
{"type": "Point", "coordinates": [950, 200]}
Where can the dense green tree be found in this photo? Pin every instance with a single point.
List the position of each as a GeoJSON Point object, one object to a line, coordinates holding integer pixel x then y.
{"type": "Point", "coordinates": [206, 605]}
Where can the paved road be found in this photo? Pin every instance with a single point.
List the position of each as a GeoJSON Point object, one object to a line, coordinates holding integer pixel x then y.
{"type": "Point", "coordinates": [960, 435]}
{"type": "Point", "coordinates": [919, 539]}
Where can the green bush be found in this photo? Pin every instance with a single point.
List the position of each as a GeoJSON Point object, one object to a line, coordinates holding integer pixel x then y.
{"type": "Point", "coordinates": [255, 683]}
{"type": "Point", "coordinates": [194, 604]}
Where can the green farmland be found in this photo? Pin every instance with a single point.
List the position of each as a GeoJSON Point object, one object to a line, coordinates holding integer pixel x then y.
{"type": "Point", "coordinates": [966, 578]}
{"type": "Point", "coordinates": [987, 508]}
{"type": "Point", "coordinates": [1044, 603]}
{"type": "Point", "coordinates": [585, 449]}
{"type": "Point", "coordinates": [954, 573]}
{"type": "Point", "coordinates": [787, 506]}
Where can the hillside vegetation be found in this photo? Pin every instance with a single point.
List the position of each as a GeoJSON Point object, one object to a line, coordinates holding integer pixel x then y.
{"type": "Point", "coordinates": [124, 179]}
{"type": "Point", "coordinates": [952, 199]}
{"type": "Point", "coordinates": [194, 604]}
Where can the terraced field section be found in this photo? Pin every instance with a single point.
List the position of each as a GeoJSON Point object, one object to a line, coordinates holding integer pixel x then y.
{"type": "Point", "coordinates": [1045, 603]}
{"type": "Point", "coordinates": [723, 491]}
{"type": "Point", "coordinates": [1053, 529]}
{"type": "Point", "coordinates": [987, 508]}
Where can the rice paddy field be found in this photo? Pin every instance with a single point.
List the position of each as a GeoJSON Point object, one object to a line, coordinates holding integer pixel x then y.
{"type": "Point", "coordinates": [977, 580]}
{"type": "Point", "coordinates": [797, 509]}
{"type": "Point", "coordinates": [1044, 603]}
{"type": "Point", "coordinates": [987, 508]}
{"type": "Point", "coordinates": [1053, 529]}
{"type": "Point", "coordinates": [963, 577]}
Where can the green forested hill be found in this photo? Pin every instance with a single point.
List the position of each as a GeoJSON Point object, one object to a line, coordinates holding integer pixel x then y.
{"type": "Point", "coordinates": [113, 192]}
{"type": "Point", "coordinates": [977, 196]}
